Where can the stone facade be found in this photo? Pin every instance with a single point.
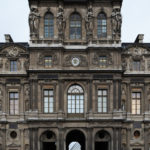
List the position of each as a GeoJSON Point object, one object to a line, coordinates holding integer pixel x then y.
{"type": "Point", "coordinates": [87, 66]}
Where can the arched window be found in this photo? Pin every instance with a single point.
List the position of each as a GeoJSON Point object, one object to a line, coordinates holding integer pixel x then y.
{"type": "Point", "coordinates": [49, 25]}
{"type": "Point", "coordinates": [102, 25]}
{"type": "Point", "coordinates": [75, 99]}
{"type": "Point", "coordinates": [75, 26]}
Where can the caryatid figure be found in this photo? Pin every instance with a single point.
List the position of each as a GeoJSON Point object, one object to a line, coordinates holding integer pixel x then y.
{"type": "Point", "coordinates": [34, 19]}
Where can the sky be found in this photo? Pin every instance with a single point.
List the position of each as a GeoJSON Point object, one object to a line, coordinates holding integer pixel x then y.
{"type": "Point", "coordinates": [14, 20]}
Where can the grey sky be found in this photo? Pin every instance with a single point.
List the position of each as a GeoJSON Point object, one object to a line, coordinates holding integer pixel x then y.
{"type": "Point", "coordinates": [14, 20]}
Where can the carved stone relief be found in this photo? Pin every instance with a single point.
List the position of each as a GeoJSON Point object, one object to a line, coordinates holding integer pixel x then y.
{"type": "Point", "coordinates": [68, 60]}
{"type": "Point", "coordinates": [95, 60]}
{"type": "Point", "coordinates": [1, 63]}
{"type": "Point", "coordinates": [13, 51]}
{"type": "Point", "coordinates": [26, 64]}
{"type": "Point", "coordinates": [124, 137]}
{"type": "Point", "coordinates": [55, 59]}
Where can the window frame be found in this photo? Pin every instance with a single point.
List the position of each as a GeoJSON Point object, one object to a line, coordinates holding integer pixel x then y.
{"type": "Point", "coordinates": [75, 21]}
{"type": "Point", "coordinates": [49, 26]}
{"type": "Point", "coordinates": [102, 89]}
{"type": "Point", "coordinates": [101, 63]}
{"type": "Point", "coordinates": [136, 109]}
{"type": "Point", "coordinates": [49, 65]}
{"type": "Point", "coordinates": [13, 67]}
{"type": "Point", "coordinates": [101, 26]}
{"type": "Point", "coordinates": [75, 101]}
{"type": "Point", "coordinates": [49, 96]}
{"type": "Point", "coordinates": [136, 65]}
{"type": "Point", "coordinates": [14, 106]}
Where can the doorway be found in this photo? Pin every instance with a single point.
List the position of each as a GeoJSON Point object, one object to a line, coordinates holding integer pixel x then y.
{"type": "Point", "coordinates": [49, 146]}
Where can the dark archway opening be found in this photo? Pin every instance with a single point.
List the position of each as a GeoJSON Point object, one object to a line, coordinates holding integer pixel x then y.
{"type": "Point", "coordinates": [75, 137]}
{"type": "Point", "coordinates": [101, 145]}
{"type": "Point", "coordinates": [48, 141]}
{"type": "Point", "coordinates": [102, 140]}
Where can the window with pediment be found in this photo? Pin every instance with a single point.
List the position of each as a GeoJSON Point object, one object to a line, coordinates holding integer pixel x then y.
{"type": "Point", "coordinates": [49, 25]}
{"type": "Point", "coordinates": [102, 25]}
{"type": "Point", "coordinates": [75, 26]}
{"type": "Point", "coordinates": [75, 99]}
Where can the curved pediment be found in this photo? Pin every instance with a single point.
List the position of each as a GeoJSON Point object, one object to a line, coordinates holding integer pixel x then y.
{"type": "Point", "coordinates": [13, 50]}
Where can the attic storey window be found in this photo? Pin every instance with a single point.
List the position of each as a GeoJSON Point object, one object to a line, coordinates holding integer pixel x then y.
{"type": "Point", "coordinates": [49, 25]}
{"type": "Point", "coordinates": [48, 61]}
{"type": "Point", "coordinates": [136, 65]}
{"type": "Point", "coordinates": [13, 65]}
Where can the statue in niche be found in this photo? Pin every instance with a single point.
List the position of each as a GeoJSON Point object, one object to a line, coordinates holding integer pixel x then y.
{"type": "Point", "coordinates": [89, 24]}
{"type": "Point", "coordinates": [27, 97]}
{"type": "Point", "coordinates": [116, 19]}
{"type": "Point", "coordinates": [61, 23]}
{"type": "Point", "coordinates": [1, 96]}
{"type": "Point", "coordinates": [34, 19]}
{"type": "Point", "coordinates": [123, 97]}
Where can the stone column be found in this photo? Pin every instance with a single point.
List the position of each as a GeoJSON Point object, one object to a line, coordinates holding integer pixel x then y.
{"type": "Point", "coordinates": [31, 138]}
{"type": "Point", "coordinates": [90, 96]}
{"type": "Point", "coordinates": [60, 95]}
{"type": "Point", "coordinates": [90, 140]}
{"type": "Point", "coordinates": [114, 94]}
{"type": "Point", "coordinates": [119, 94]}
{"type": "Point", "coordinates": [60, 141]}
{"type": "Point", "coordinates": [114, 139]}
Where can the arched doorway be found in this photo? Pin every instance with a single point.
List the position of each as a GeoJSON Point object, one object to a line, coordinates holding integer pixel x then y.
{"type": "Point", "coordinates": [102, 140]}
{"type": "Point", "coordinates": [48, 141]}
{"type": "Point", "coordinates": [75, 140]}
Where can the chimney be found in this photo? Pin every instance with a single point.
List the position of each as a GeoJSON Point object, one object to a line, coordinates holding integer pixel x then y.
{"type": "Point", "coordinates": [139, 38]}
{"type": "Point", "coordinates": [8, 38]}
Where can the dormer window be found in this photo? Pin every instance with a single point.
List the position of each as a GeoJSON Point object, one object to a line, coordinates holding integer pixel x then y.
{"type": "Point", "coordinates": [49, 25]}
{"type": "Point", "coordinates": [102, 25]}
{"type": "Point", "coordinates": [136, 65]}
{"type": "Point", "coordinates": [13, 65]}
{"type": "Point", "coordinates": [75, 26]}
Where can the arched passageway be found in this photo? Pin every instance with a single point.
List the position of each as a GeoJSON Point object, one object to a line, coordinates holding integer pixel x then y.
{"type": "Point", "coordinates": [48, 141]}
{"type": "Point", "coordinates": [102, 140]}
{"type": "Point", "coordinates": [75, 140]}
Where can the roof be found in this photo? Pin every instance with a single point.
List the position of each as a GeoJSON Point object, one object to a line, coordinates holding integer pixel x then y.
{"type": "Point", "coordinates": [24, 44]}
{"type": "Point", "coordinates": [125, 45]}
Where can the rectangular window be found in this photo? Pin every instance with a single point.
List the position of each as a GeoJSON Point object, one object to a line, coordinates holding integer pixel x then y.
{"type": "Point", "coordinates": [49, 101]}
{"type": "Point", "coordinates": [13, 65]}
{"type": "Point", "coordinates": [136, 65]}
{"type": "Point", "coordinates": [103, 61]}
{"type": "Point", "coordinates": [48, 61]}
{"type": "Point", "coordinates": [13, 103]}
{"type": "Point", "coordinates": [102, 100]}
{"type": "Point", "coordinates": [136, 103]}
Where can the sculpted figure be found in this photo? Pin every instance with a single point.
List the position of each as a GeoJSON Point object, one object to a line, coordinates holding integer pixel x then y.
{"type": "Point", "coordinates": [116, 22]}
{"type": "Point", "coordinates": [34, 19]}
{"type": "Point", "coordinates": [61, 23]}
{"type": "Point", "coordinates": [89, 25]}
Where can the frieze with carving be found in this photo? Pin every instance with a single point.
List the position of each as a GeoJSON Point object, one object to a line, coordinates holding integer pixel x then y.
{"type": "Point", "coordinates": [54, 56]}
{"type": "Point", "coordinates": [95, 60]}
{"type": "Point", "coordinates": [68, 60]}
